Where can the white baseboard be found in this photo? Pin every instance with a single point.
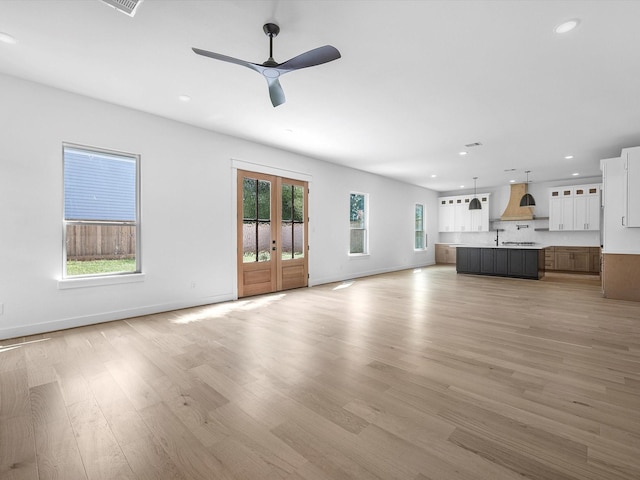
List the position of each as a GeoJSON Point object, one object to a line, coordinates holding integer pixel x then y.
{"type": "Point", "coordinates": [85, 320]}
{"type": "Point", "coordinates": [321, 281]}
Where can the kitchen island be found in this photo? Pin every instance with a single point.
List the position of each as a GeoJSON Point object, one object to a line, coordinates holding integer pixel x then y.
{"type": "Point", "coordinates": [519, 261]}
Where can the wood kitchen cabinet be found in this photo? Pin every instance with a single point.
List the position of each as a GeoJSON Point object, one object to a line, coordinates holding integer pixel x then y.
{"type": "Point", "coordinates": [445, 253]}
{"type": "Point", "coordinates": [572, 259]}
{"type": "Point", "coordinates": [550, 258]}
{"type": "Point", "coordinates": [595, 256]}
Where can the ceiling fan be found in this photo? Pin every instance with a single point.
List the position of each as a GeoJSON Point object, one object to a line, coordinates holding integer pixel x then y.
{"type": "Point", "coordinates": [271, 70]}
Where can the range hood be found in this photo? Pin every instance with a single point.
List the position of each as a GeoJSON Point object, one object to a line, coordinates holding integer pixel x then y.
{"type": "Point", "coordinates": [514, 211]}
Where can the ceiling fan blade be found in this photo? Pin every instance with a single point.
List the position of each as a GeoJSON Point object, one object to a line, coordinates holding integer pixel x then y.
{"type": "Point", "coordinates": [275, 91]}
{"type": "Point", "coordinates": [225, 58]}
{"type": "Point", "coordinates": [317, 56]}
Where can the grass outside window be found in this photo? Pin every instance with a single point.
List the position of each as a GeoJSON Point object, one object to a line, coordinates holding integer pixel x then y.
{"type": "Point", "coordinates": [97, 267]}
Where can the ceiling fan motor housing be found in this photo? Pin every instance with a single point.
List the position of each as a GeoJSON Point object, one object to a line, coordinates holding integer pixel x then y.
{"type": "Point", "coordinates": [271, 29]}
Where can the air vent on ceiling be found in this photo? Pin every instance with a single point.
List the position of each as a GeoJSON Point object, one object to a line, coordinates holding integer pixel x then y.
{"type": "Point", "coordinates": [125, 6]}
{"type": "Point", "coordinates": [474, 144]}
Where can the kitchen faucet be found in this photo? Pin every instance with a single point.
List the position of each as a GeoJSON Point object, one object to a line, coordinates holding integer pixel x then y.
{"type": "Point", "coordinates": [498, 237]}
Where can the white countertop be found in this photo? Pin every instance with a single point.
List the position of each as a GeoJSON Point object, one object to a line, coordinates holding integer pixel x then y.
{"type": "Point", "coordinates": [537, 246]}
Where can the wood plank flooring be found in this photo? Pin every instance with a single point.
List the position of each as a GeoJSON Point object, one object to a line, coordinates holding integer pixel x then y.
{"type": "Point", "coordinates": [412, 375]}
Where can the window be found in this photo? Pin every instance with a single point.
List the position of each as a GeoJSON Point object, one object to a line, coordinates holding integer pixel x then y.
{"type": "Point", "coordinates": [420, 237]}
{"type": "Point", "coordinates": [101, 212]}
{"type": "Point", "coordinates": [358, 224]}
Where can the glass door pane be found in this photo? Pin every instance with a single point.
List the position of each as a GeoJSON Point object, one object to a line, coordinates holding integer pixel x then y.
{"type": "Point", "coordinates": [292, 226]}
{"type": "Point", "coordinates": [256, 220]}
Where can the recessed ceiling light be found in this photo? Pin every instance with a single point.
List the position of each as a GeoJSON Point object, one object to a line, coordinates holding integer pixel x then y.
{"type": "Point", "coordinates": [6, 38]}
{"type": "Point", "coordinates": [462, 153]}
{"type": "Point", "coordinates": [184, 98]}
{"type": "Point", "coordinates": [512, 181]}
{"type": "Point", "coordinates": [567, 26]}
{"type": "Point", "coordinates": [568, 157]}
{"type": "Point", "coordinates": [434, 175]}
{"type": "Point", "coordinates": [461, 186]}
{"type": "Point", "coordinates": [575, 174]}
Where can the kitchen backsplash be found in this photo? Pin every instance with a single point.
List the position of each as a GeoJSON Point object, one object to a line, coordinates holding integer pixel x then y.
{"type": "Point", "coordinates": [511, 233]}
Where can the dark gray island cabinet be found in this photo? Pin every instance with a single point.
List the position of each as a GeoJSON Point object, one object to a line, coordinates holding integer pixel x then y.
{"type": "Point", "coordinates": [501, 261]}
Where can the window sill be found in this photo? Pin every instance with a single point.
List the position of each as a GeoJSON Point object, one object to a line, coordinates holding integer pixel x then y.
{"type": "Point", "coordinates": [358, 255]}
{"type": "Point", "coordinates": [100, 281]}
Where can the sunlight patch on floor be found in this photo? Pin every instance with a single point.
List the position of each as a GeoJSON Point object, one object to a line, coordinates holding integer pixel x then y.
{"type": "Point", "coordinates": [223, 309]}
{"type": "Point", "coordinates": [345, 284]}
{"type": "Point", "coordinates": [6, 348]}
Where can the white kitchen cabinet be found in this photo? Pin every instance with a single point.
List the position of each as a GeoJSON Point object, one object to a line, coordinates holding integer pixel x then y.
{"type": "Point", "coordinates": [561, 208]}
{"type": "Point", "coordinates": [480, 218]}
{"type": "Point", "coordinates": [454, 214]}
{"type": "Point", "coordinates": [575, 207]}
{"type": "Point", "coordinates": [446, 214]}
{"type": "Point", "coordinates": [586, 207]}
{"type": "Point", "coordinates": [632, 187]}
{"type": "Point", "coordinates": [463, 214]}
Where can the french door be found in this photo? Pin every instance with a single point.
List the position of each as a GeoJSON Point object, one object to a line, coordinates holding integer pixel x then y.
{"type": "Point", "coordinates": [272, 233]}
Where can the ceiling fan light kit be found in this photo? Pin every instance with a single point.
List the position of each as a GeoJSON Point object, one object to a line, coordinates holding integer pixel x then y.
{"type": "Point", "coordinates": [272, 70]}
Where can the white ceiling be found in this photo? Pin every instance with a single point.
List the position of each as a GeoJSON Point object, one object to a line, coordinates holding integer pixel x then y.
{"type": "Point", "coordinates": [416, 82]}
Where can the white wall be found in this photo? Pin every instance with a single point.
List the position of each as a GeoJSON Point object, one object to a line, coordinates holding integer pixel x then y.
{"type": "Point", "coordinates": [540, 191]}
{"type": "Point", "coordinates": [187, 199]}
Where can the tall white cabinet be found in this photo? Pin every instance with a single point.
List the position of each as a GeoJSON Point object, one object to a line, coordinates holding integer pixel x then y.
{"type": "Point", "coordinates": [621, 248]}
{"type": "Point", "coordinates": [586, 207]}
{"type": "Point", "coordinates": [446, 214]}
{"type": "Point", "coordinates": [561, 208]}
{"type": "Point", "coordinates": [632, 184]}
{"type": "Point", "coordinates": [575, 207]}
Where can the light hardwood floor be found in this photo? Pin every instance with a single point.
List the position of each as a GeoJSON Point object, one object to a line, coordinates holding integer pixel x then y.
{"type": "Point", "coordinates": [410, 375]}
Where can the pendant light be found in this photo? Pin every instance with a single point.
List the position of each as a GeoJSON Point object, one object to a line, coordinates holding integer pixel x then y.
{"type": "Point", "coordinates": [475, 203]}
{"type": "Point", "coordinates": [527, 199]}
